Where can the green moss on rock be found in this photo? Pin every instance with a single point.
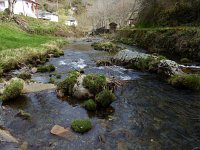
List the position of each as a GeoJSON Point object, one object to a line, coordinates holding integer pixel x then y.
{"type": "Point", "coordinates": [185, 81]}
{"type": "Point", "coordinates": [106, 46]}
{"type": "Point", "coordinates": [67, 85]}
{"type": "Point", "coordinates": [90, 105]}
{"type": "Point", "coordinates": [95, 83]}
{"type": "Point", "coordinates": [81, 125]}
{"type": "Point", "coordinates": [13, 89]}
{"type": "Point", "coordinates": [105, 98]}
{"type": "Point", "coordinates": [185, 60]}
{"type": "Point", "coordinates": [47, 68]}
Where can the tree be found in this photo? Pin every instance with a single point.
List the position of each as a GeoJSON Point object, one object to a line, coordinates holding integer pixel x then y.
{"type": "Point", "coordinates": [11, 5]}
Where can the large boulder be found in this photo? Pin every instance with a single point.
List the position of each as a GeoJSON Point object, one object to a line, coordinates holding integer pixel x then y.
{"type": "Point", "coordinates": [142, 61]}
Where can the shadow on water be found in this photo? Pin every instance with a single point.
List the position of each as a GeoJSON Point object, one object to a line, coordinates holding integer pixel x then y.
{"type": "Point", "coordinates": [148, 113]}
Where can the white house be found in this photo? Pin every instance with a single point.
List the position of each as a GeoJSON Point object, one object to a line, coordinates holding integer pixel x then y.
{"type": "Point", "coordinates": [47, 16]}
{"type": "Point", "coordinates": [71, 21]}
{"type": "Point", "coordinates": [22, 7]}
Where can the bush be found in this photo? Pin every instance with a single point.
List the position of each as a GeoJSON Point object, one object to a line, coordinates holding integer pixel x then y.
{"type": "Point", "coordinates": [95, 83]}
{"type": "Point", "coordinates": [105, 98]}
{"type": "Point", "coordinates": [67, 85]}
{"type": "Point", "coordinates": [24, 75]}
{"type": "Point", "coordinates": [90, 105]}
{"type": "Point", "coordinates": [81, 125]}
{"type": "Point", "coordinates": [48, 68]}
{"type": "Point", "coordinates": [13, 89]}
{"type": "Point", "coordinates": [185, 81]}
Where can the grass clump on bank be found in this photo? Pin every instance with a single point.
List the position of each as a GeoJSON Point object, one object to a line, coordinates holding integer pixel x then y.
{"type": "Point", "coordinates": [95, 83]}
{"type": "Point", "coordinates": [185, 81]}
{"type": "Point", "coordinates": [105, 98]}
{"type": "Point", "coordinates": [106, 46]}
{"type": "Point", "coordinates": [81, 125]}
{"type": "Point", "coordinates": [90, 105]}
{"type": "Point", "coordinates": [24, 76]}
{"type": "Point", "coordinates": [47, 68]}
{"type": "Point", "coordinates": [67, 85]}
{"type": "Point", "coordinates": [13, 89]}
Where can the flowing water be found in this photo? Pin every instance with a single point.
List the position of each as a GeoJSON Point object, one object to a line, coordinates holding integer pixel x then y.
{"type": "Point", "coordinates": [148, 113]}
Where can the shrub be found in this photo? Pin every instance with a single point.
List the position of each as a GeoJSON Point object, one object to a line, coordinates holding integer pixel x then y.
{"type": "Point", "coordinates": [13, 89]}
{"type": "Point", "coordinates": [90, 105]}
{"type": "Point", "coordinates": [47, 68]}
{"type": "Point", "coordinates": [95, 83]}
{"type": "Point", "coordinates": [67, 85]}
{"type": "Point", "coordinates": [81, 125]}
{"type": "Point", "coordinates": [185, 81]}
{"type": "Point", "coordinates": [24, 75]}
{"type": "Point", "coordinates": [105, 98]}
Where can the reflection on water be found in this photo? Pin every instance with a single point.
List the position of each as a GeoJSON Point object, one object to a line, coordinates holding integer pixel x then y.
{"type": "Point", "coordinates": [148, 113]}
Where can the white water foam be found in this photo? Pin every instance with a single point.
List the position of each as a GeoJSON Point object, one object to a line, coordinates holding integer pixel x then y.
{"type": "Point", "coordinates": [80, 64]}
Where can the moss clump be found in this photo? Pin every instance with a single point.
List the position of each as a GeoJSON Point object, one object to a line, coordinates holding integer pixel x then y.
{"type": "Point", "coordinates": [24, 76]}
{"type": "Point", "coordinates": [185, 81]}
{"type": "Point", "coordinates": [106, 46]}
{"type": "Point", "coordinates": [95, 83]}
{"type": "Point", "coordinates": [105, 98]}
{"type": "Point", "coordinates": [52, 80]}
{"type": "Point", "coordinates": [67, 85]}
{"type": "Point", "coordinates": [13, 89]}
{"type": "Point", "coordinates": [185, 60]}
{"type": "Point", "coordinates": [81, 125]}
{"type": "Point", "coordinates": [47, 68]}
{"type": "Point", "coordinates": [103, 63]}
{"type": "Point", "coordinates": [90, 105]}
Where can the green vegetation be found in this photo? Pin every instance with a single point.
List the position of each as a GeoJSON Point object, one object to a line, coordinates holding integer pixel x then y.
{"type": "Point", "coordinates": [185, 81]}
{"type": "Point", "coordinates": [24, 75]}
{"type": "Point", "coordinates": [106, 46]}
{"type": "Point", "coordinates": [105, 98]}
{"type": "Point", "coordinates": [90, 105]}
{"type": "Point", "coordinates": [67, 85]}
{"type": "Point", "coordinates": [13, 89]}
{"type": "Point", "coordinates": [81, 125]}
{"type": "Point", "coordinates": [174, 43]}
{"type": "Point", "coordinates": [103, 63]}
{"type": "Point", "coordinates": [52, 80]}
{"type": "Point", "coordinates": [47, 68]}
{"type": "Point", "coordinates": [95, 83]}
{"type": "Point", "coordinates": [12, 37]}
{"type": "Point", "coordinates": [1, 72]}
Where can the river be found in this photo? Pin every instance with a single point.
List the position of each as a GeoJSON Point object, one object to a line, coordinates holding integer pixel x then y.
{"type": "Point", "coordinates": [148, 114]}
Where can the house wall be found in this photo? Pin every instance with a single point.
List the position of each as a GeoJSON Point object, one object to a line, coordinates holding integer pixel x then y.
{"type": "Point", "coordinates": [25, 8]}
{"type": "Point", "coordinates": [21, 7]}
{"type": "Point", "coordinates": [3, 5]}
{"type": "Point", "coordinates": [70, 23]}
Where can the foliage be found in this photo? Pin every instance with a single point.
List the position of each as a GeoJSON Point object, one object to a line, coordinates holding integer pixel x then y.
{"type": "Point", "coordinates": [1, 71]}
{"type": "Point", "coordinates": [13, 89]}
{"type": "Point", "coordinates": [185, 81]}
{"type": "Point", "coordinates": [67, 85]}
{"type": "Point", "coordinates": [24, 75]}
{"type": "Point", "coordinates": [52, 80]}
{"type": "Point", "coordinates": [81, 125]}
{"type": "Point", "coordinates": [47, 68]}
{"type": "Point", "coordinates": [95, 83]}
{"type": "Point", "coordinates": [90, 105]}
{"type": "Point", "coordinates": [105, 98]}
{"type": "Point", "coordinates": [185, 60]}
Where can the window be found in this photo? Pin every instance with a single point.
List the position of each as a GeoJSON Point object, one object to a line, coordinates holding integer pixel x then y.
{"type": "Point", "coordinates": [2, 4]}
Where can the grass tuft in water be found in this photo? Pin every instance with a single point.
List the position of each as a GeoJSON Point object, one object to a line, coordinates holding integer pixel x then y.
{"type": "Point", "coordinates": [90, 105]}
{"type": "Point", "coordinates": [81, 125]}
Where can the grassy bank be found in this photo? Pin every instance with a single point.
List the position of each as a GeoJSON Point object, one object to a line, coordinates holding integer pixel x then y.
{"type": "Point", "coordinates": [19, 47]}
{"type": "Point", "coordinates": [172, 42]}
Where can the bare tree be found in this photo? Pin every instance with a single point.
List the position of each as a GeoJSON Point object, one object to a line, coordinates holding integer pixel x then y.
{"type": "Point", "coordinates": [11, 5]}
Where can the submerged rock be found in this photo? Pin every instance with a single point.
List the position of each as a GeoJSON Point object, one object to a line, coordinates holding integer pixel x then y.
{"type": "Point", "coordinates": [37, 87]}
{"type": "Point", "coordinates": [5, 136]}
{"type": "Point", "coordinates": [62, 132]}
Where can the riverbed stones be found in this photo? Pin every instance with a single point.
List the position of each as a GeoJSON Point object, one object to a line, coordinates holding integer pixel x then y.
{"type": "Point", "coordinates": [5, 136]}
{"type": "Point", "coordinates": [37, 87]}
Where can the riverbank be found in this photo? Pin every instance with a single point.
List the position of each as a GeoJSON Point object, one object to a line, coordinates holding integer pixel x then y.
{"type": "Point", "coordinates": [176, 43]}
